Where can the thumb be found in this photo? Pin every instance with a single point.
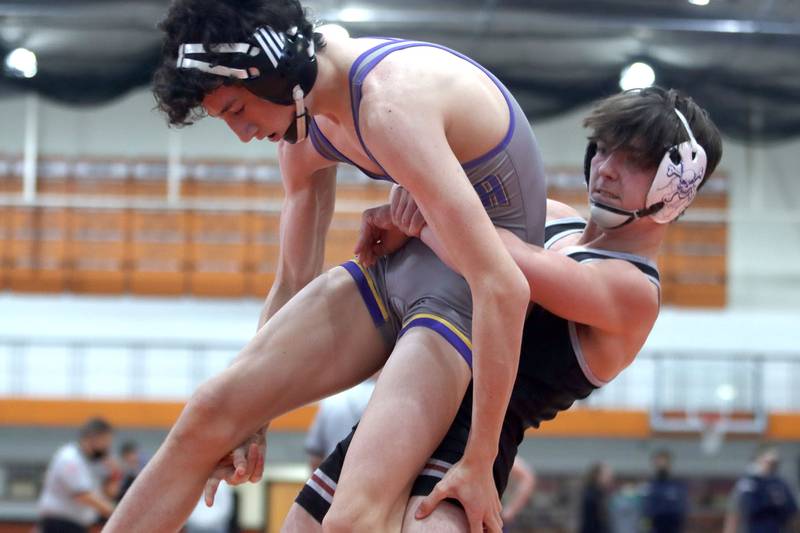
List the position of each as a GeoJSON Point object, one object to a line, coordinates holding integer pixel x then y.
{"type": "Point", "coordinates": [430, 502]}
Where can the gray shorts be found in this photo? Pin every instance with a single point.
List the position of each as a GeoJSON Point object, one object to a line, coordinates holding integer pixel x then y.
{"type": "Point", "coordinates": [414, 288]}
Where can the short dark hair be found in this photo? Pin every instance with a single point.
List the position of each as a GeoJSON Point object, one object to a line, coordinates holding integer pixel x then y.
{"type": "Point", "coordinates": [178, 92]}
{"type": "Point", "coordinates": [95, 426]}
{"type": "Point", "coordinates": [127, 447]}
{"type": "Point", "coordinates": [644, 122]}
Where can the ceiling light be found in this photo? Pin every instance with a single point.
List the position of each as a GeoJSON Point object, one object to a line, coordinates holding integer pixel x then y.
{"type": "Point", "coordinates": [355, 14]}
{"type": "Point", "coordinates": [726, 392]}
{"type": "Point", "coordinates": [699, 2]}
{"type": "Point", "coordinates": [334, 29]}
{"type": "Point", "coordinates": [21, 63]}
{"type": "Point", "coordinates": [637, 76]}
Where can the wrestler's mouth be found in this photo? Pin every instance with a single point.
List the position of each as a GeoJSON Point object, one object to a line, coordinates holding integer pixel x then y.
{"type": "Point", "coordinates": [600, 194]}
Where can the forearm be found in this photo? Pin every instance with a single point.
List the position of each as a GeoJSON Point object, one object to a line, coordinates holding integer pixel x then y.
{"type": "Point", "coordinates": [498, 318]}
{"type": "Point", "coordinates": [278, 295]}
{"type": "Point", "coordinates": [430, 239]}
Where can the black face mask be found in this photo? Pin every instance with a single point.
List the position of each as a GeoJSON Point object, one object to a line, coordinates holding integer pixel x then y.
{"type": "Point", "coordinates": [662, 474]}
{"type": "Point", "coordinates": [97, 455]}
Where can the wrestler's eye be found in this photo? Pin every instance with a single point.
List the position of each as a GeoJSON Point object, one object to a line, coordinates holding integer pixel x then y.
{"type": "Point", "coordinates": [239, 111]}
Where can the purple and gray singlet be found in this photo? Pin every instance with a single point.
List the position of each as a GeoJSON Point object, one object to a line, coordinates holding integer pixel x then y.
{"type": "Point", "coordinates": [413, 288]}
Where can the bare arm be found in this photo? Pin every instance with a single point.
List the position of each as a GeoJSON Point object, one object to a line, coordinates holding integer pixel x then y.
{"type": "Point", "coordinates": [309, 185]}
{"type": "Point", "coordinates": [305, 217]}
{"type": "Point", "coordinates": [610, 295]}
{"type": "Point", "coordinates": [97, 502]}
{"type": "Point", "coordinates": [524, 484]}
{"type": "Point", "coordinates": [451, 207]}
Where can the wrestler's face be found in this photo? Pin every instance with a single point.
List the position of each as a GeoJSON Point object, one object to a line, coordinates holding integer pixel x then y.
{"type": "Point", "coordinates": [617, 179]}
{"type": "Point", "coordinates": [247, 115]}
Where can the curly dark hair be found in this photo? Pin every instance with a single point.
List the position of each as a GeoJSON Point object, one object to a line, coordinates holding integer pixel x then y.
{"type": "Point", "coordinates": [644, 122]}
{"type": "Point", "coordinates": [179, 93]}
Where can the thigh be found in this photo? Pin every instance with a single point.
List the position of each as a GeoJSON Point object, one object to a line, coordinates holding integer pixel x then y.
{"type": "Point", "coordinates": [446, 518]}
{"type": "Point", "coordinates": [414, 402]}
{"type": "Point", "coordinates": [322, 341]}
{"type": "Point", "coordinates": [300, 521]}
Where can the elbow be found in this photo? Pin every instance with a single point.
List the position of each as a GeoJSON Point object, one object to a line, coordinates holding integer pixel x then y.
{"type": "Point", "coordinates": [508, 290]}
{"type": "Point", "coordinates": [292, 280]}
{"type": "Point", "coordinates": [514, 288]}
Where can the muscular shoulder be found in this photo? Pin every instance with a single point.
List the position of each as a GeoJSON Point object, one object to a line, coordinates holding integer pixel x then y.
{"type": "Point", "coordinates": [557, 210]}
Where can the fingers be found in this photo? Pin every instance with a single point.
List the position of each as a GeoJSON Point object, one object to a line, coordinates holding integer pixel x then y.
{"type": "Point", "coordinates": [475, 524]}
{"type": "Point", "coordinates": [211, 490]}
{"type": "Point", "coordinates": [395, 201]}
{"type": "Point", "coordinates": [494, 523]}
{"type": "Point", "coordinates": [408, 213]}
{"type": "Point", "coordinates": [252, 459]}
{"type": "Point", "coordinates": [258, 471]}
{"type": "Point", "coordinates": [240, 462]}
{"type": "Point", "coordinates": [430, 502]}
{"type": "Point", "coordinates": [417, 223]}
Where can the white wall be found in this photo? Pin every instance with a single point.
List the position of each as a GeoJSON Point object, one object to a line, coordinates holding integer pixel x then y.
{"type": "Point", "coordinates": [127, 127]}
{"type": "Point", "coordinates": [764, 246]}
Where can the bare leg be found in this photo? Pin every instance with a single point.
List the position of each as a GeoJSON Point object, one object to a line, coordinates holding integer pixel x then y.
{"type": "Point", "coordinates": [414, 403]}
{"type": "Point", "coordinates": [320, 342]}
{"type": "Point", "coordinates": [446, 518]}
{"type": "Point", "coordinates": [299, 521]}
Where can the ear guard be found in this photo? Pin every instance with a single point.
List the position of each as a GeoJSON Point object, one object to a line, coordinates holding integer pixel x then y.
{"type": "Point", "coordinates": [674, 186]}
{"type": "Point", "coordinates": [280, 67]}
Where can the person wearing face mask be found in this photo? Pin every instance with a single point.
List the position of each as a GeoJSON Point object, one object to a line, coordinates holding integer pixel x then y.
{"type": "Point", "coordinates": [665, 502]}
{"type": "Point", "coordinates": [762, 501]}
{"type": "Point", "coordinates": [73, 494]}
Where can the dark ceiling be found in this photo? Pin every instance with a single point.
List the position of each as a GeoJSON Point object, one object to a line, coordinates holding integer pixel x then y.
{"type": "Point", "coordinates": [739, 58]}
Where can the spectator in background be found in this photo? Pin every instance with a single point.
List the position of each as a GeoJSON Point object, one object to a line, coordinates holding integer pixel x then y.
{"type": "Point", "coordinates": [79, 477]}
{"type": "Point", "coordinates": [521, 487]}
{"type": "Point", "coordinates": [761, 501]}
{"type": "Point", "coordinates": [131, 465]}
{"type": "Point", "coordinates": [595, 516]}
{"type": "Point", "coordinates": [665, 502]}
{"type": "Point", "coordinates": [335, 419]}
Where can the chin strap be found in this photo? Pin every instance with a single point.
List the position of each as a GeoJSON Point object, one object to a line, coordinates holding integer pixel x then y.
{"type": "Point", "coordinates": [299, 128]}
{"type": "Point", "coordinates": [609, 217]}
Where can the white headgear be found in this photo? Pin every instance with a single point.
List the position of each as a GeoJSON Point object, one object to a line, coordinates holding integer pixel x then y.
{"type": "Point", "coordinates": [674, 186]}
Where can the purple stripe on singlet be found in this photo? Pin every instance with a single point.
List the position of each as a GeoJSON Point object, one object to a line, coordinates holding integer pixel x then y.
{"type": "Point", "coordinates": [355, 90]}
{"type": "Point", "coordinates": [322, 145]}
{"type": "Point", "coordinates": [357, 80]}
{"type": "Point", "coordinates": [366, 293]}
{"type": "Point", "coordinates": [448, 334]}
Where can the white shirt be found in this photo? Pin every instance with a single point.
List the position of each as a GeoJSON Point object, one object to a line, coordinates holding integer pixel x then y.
{"type": "Point", "coordinates": [68, 475]}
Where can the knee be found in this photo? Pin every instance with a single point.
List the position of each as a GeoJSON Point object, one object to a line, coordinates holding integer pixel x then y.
{"type": "Point", "coordinates": [335, 523]}
{"type": "Point", "coordinates": [351, 517]}
{"type": "Point", "coordinates": [357, 515]}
